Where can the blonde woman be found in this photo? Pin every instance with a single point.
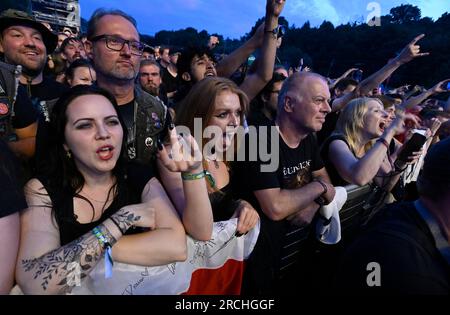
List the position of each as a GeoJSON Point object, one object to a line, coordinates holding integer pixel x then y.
{"type": "Point", "coordinates": [358, 150]}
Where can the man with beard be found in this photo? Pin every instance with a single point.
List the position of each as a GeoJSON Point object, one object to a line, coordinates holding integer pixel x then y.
{"type": "Point", "coordinates": [150, 79]}
{"type": "Point", "coordinates": [114, 46]}
{"type": "Point", "coordinates": [72, 48]}
{"type": "Point", "coordinates": [26, 42]}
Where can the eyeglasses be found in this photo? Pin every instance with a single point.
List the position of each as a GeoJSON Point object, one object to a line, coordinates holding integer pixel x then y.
{"type": "Point", "coordinates": [116, 43]}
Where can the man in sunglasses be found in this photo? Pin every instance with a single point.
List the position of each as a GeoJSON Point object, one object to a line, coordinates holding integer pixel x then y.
{"type": "Point", "coordinates": [114, 46]}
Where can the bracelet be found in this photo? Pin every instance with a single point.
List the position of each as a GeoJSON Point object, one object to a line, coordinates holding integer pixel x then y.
{"type": "Point", "coordinates": [101, 238]}
{"type": "Point", "coordinates": [203, 174]}
{"type": "Point", "coordinates": [383, 141]}
{"type": "Point", "coordinates": [108, 254]}
{"type": "Point", "coordinates": [117, 224]}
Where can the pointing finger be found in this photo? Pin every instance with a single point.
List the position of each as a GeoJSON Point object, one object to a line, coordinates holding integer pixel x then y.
{"type": "Point", "coordinates": [415, 40]}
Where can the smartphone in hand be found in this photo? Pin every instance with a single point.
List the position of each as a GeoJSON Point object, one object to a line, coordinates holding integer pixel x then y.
{"type": "Point", "coordinates": [412, 145]}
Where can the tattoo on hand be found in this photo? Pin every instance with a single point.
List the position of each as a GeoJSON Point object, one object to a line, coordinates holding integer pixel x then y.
{"type": "Point", "coordinates": [125, 219]}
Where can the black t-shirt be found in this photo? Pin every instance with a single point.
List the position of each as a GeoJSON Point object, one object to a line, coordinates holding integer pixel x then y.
{"type": "Point", "coordinates": [25, 113]}
{"type": "Point", "coordinates": [43, 97]}
{"type": "Point", "coordinates": [129, 192]}
{"type": "Point", "coordinates": [11, 197]}
{"type": "Point", "coordinates": [257, 118]}
{"type": "Point", "coordinates": [223, 204]}
{"type": "Point", "coordinates": [47, 90]}
{"type": "Point", "coordinates": [401, 243]}
{"type": "Point", "coordinates": [169, 81]}
{"type": "Point", "coordinates": [277, 248]}
{"type": "Point", "coordinates": [336, 179]}
{"type": "Point", "coordinates": [127, 113]}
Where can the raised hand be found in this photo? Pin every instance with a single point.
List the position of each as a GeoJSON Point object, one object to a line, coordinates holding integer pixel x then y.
{"type": "Point", "coordinates": [440, 87]}
{"type": "Point", "coordinates": [433, 126]}
{"type": "Point", "coordinates": [185, 155]}
{"type": "Point", "coordinates": [258, 37]}
{"type": "Point", "coordinates": [274, 7]}
{"type": "Point", "coordinates": [411, 51]}
{"type": "Point", "coordinates": [349, 71]}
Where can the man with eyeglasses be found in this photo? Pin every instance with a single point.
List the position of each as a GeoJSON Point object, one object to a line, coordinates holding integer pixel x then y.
{"type": "Point", "coordinates": [114, 46]}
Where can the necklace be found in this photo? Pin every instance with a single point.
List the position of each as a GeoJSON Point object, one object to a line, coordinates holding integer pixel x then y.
{"type": "Point", "coordinates": [213, 159]}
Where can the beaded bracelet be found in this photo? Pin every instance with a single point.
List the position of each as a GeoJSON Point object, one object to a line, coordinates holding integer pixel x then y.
{"type": "Point", "coordinates": [107, 247]}
{"type": "Point", "coordinates": [203, 174]}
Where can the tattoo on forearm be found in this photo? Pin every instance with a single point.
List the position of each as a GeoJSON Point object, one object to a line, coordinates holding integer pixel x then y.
{"type": "Point", "coordinates": [125, 219]}
{"type": "Point", "coordinates": [56, 267]}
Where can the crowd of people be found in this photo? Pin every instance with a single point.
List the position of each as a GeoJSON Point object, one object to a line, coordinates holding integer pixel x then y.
{"type": "Point", "coordinates": [112, 150]}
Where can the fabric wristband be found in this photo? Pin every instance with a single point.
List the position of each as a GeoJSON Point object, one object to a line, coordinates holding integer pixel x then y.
{"type": "Point", "coordinates": [203, 174]}
{"type": "Point", "coordinates": [108, 253]}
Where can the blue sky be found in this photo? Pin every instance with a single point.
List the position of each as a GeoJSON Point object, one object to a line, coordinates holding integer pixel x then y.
{"type": "Point", "coordinates": [234, 18]}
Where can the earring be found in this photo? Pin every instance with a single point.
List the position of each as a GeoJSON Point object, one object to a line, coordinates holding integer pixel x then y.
{"type": "Point", "coordinates": [68, 155]}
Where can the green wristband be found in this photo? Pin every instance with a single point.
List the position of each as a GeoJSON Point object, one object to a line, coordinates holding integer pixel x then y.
{"type": "Point", "coordinates": [188, 176]}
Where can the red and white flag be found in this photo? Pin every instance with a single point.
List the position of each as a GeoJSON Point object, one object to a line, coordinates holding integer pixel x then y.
{"type": "Point", "coordinates": [212, 267]}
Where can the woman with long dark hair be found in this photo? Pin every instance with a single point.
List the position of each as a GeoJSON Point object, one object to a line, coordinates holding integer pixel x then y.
{"type": "Point", "coordinates": [87, 205]}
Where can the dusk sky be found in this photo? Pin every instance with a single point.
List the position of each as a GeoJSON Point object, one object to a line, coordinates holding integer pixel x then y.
{"type": "Point", "coordinates": [234, 18]}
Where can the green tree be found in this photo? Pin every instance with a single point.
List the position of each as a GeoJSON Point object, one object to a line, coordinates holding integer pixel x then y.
{"type": "Point", "coordinates": [405, 13]}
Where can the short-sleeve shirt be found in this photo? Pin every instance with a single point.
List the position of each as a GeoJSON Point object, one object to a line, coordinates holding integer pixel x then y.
{"type": "Point", "coordinates": [295, 169]}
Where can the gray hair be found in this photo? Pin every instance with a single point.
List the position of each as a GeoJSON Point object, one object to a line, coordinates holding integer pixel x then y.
{"type": "Point", "coordinates": [101, 12]}
{"type": "Point", "coordinates": [293, 82]}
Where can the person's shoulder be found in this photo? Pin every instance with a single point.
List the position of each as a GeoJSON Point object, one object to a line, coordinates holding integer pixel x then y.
{"type": "Point", "coordinates": [35, 185]}
{"type": "Point", "coordinates": [146, 100]}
